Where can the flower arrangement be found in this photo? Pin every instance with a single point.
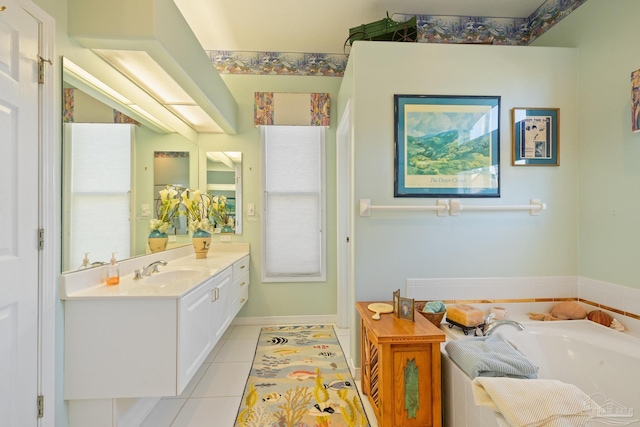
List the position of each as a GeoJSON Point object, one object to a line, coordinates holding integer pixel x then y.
{"type": "Point", "coordinates": [218, 211]}
{"type": "Point", "coordinates": [197, 210]}
{"type": "Point", "coordinates": [166, 210]}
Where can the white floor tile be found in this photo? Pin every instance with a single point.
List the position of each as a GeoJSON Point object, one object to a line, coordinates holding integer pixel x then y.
{"type": "Point", "coordinates": [368, 409]}
{"type": "Point", "coordinates": [237, 350]}
{"type": "Point", "coordinates": [216, 349]}
{"type": "Point", "coordinates": [213, 396]}
{"type": "Point", "coordinates": [227, 333]}
{"type": "Point", "coordinates": [223, 380]}
{"type": "Point", "coordinates": [246, 331]}
{"type": "Point", "coordinates": [164, 413]}
{"type": "Point", "coordinates": [208, 412]}
{"type": "Point", "coordinates": [186, 393]}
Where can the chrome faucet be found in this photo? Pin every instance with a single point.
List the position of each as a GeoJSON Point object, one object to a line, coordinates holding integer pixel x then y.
{"type": "Point", "coordinates": [152, 268]}
{"type": "Point", "coordinates": [492, 326]}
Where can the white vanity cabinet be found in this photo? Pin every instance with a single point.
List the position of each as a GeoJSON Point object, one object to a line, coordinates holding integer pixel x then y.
{"type": "Point", "coordinates": [147, 346]}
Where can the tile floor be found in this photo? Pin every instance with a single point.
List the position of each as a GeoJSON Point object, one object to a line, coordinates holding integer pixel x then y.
{"type": "Point", "coordinates": [213, 397]}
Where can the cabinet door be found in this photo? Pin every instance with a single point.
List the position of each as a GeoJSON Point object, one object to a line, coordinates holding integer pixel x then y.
{"type": "Point", "coordinates": [221, 316]}
{"type": "Point", "coordinates": [195, 335]}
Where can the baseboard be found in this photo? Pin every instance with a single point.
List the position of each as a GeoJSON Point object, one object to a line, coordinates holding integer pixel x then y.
{"type": "Point", "coordinates": [286, 320]}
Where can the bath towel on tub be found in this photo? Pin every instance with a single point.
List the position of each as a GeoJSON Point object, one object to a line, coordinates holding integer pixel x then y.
{"type": "Point", "coordinates": [490, 356]}
{"type": "Point", "coordinates": [534, 403]}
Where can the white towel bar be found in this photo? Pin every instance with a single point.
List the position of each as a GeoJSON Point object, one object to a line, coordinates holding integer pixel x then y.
{"type": "Point", "coordinates": [452, 207]}
{"type": "Point", "coordinates": [366, 207]}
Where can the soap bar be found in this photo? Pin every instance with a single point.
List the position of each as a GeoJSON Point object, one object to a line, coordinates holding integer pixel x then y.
{"type": "Point", "coordinates": [465, 315]}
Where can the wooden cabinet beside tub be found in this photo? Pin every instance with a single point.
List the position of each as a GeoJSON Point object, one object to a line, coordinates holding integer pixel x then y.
{"type": "Point", "coordinates": [400, 362]}
{"type": "Point", "coordinates": [148, 345]}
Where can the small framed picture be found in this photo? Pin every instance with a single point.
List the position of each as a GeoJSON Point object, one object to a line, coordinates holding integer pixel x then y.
{"type": "Point", "coordinates": [536, 136]}
{"type": "Point", "coordinates": [396, 303]}
{"type": "Point", "coordinates": [406, 308]}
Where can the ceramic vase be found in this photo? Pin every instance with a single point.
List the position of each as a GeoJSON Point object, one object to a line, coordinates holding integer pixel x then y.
{"type": "Point", "coordinates": [201, 241]}
{"type": "Point", "coordinates": [226, 228]}
{"type": "Point", "coordinates": [157, 241]}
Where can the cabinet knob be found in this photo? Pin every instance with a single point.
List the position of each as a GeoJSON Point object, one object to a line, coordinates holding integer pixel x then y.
{"type": "Point", "coordinates": [242, 266]}
{"type": "Point", "coordinates": [243, 283]}
{"type": "Point", "coordinates": [242, 300]}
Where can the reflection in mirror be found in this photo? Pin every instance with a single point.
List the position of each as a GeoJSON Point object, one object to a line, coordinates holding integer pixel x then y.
{"type": "Point", "coordinates": [171, 168]}
{"type": "Point", "coordinates": [108, 186]}
{"type": "Point", "coordinates": [224, 178]}
{"type": "Point", "coordinates": [96, 191]}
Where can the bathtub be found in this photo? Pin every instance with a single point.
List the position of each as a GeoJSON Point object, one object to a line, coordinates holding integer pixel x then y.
{"type": "Point", "coordinates": [603, 363]}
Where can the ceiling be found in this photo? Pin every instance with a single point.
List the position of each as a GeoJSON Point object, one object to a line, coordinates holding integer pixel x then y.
{"type": "Point", "coordinates": [318, 26]}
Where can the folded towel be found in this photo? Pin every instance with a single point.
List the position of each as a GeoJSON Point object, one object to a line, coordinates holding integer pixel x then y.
{"type": "Point", "coordinates": [534, 403]}
{"type": "Point", "coordinates": [434, 307]}
{"type": "Point", "coordinates": [490, 356]}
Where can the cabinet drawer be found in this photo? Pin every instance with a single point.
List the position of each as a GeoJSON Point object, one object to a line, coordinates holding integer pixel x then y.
{"type": "Point", "coordinates": [240, 284]}
{"type": "Point", "coordinates": [241, 298]}
{"type": "Point", "coordinates": [240, 267]}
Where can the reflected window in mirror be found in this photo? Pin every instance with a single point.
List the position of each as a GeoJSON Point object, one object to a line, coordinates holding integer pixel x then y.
{"type": "Point", "coordinates": [96, 192]}
{"type": "Point", "coordinates": [224, 178]}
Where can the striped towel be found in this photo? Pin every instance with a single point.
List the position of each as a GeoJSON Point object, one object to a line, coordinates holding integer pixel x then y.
{"type": "Point", "coordinates": [490, 356]}
{"type": "Point", "coordinates": [534, 403]}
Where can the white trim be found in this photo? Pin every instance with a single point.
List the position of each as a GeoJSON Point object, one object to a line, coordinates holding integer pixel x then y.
{"type": "Point", "coordinates": [344, 143]}
{"type": "Point", "coordinates": [48, 271]}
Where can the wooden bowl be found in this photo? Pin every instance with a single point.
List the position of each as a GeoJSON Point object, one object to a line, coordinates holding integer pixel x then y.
{"type": "Point", "coordinates": [434, 318]}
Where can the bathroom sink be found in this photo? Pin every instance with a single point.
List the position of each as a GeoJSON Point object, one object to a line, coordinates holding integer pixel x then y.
{"type": "Point", "coordinates": [178, 275]}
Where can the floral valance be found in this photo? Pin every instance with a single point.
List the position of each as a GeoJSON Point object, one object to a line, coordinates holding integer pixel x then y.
{"type": "Point", "coordinates": [292, 109]}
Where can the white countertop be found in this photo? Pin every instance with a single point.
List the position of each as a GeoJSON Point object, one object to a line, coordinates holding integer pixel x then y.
{"type": "Point", "coordinates": [83, 285]}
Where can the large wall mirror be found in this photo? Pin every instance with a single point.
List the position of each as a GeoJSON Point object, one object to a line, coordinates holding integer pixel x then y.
{"type": "Point", "coordinates": [224, 178]}
{"type": "Point", "coordinates": [112, 173]}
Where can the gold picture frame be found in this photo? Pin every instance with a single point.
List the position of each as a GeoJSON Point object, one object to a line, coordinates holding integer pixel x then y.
{"type": "Point", "coordinates": [406, 308]}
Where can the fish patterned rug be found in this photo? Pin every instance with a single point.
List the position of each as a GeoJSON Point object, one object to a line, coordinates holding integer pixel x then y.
{"type": "Point", "coordinates": [300, 378]}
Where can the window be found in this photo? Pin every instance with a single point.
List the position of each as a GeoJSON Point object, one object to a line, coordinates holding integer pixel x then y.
{"type": "Point", "coordinates": [293, 200]}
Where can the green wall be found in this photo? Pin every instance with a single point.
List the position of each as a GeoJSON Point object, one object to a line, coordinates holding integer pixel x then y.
{"type": "Point", "coordinates": [390, 247]}
{"type": "Point", "coordinates": [606, 36]}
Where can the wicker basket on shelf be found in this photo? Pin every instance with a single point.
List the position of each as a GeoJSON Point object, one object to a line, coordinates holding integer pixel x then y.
{"type": "Point", "coordinates": [434, 318]}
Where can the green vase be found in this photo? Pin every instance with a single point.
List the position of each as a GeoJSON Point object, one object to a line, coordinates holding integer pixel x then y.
{"type": "Point", "coordinates": [226, 229]}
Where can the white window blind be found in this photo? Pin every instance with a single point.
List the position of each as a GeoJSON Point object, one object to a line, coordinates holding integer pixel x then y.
{"type": "Point", "coordinates": [293, 238]}
{"type": "Point", "coordinates": [98, 189]}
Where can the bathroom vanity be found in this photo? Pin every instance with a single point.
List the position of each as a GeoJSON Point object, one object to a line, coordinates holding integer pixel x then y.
{"type": "Point", "coordinates": [148, 337]}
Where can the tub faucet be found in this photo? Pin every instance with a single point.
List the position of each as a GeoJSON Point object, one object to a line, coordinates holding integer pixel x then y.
{"type": "Point", "coordinates": [152, 268]}
{"type": "Point", "coordinates": [497, 323]}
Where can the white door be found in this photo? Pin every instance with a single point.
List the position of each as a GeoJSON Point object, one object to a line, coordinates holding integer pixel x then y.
{"type": "Point", "coordinates": [19, 209]}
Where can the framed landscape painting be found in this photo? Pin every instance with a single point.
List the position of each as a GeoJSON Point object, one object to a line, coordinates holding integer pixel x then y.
{"type": "Point", "coordinates": [447, 146]}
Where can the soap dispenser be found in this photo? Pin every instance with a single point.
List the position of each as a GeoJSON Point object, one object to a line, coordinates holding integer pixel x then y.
{"type": "Point", "coordinates": [113, 271]}
{"type": "Point", "coordinates": [85, 262]}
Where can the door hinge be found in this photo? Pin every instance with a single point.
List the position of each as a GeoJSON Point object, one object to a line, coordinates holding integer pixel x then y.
{"type": "Point", "coordinates": [41, 406]}
{"type": "Point", "coordinates": [41, 69]}
{"type": "Point", "coordinates": [41, 239]}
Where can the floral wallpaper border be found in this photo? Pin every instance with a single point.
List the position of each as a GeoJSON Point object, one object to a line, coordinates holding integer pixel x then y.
{"type": "Point", "coordinates": [431, 29]}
